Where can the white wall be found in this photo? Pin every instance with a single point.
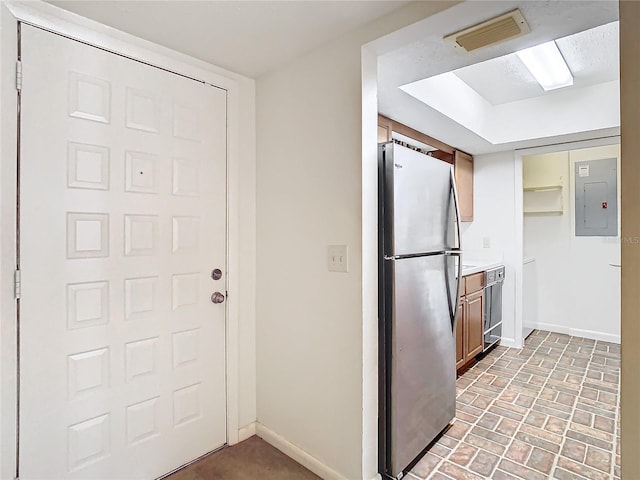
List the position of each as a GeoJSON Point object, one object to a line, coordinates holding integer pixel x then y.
{"type": "Point", "coordinates": [546, 238]}
{"type": "Point", "coordinates": [310, 327]}
{"type": "Point", "coordinates": [578, 292]}
{"type": "Point", "coordinates": [309, 320]}
{"type": "Point", "coordinates": [494, 217]}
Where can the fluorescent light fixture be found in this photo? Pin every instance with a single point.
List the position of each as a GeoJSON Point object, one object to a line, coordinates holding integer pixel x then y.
{"type": "Point", "coordinates": [546, 64]}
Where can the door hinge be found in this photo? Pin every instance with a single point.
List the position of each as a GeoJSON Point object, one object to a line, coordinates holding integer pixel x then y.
{"type": "Point", "coordinates": [19, 75]}
{"type": "Point", "coordinates": [17, 284]}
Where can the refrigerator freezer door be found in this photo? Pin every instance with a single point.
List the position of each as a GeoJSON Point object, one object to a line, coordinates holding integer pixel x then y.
{"type": "Point", "coordinates": [419, 205]}
{"type": "Point", "coordinates": [423, 374]}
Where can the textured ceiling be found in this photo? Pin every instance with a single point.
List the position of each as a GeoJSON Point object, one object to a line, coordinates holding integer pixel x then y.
{"type": "Point", "coordinates": [423, 54]}
{"type": "Point", "coordinates": [592, 57]}
{"type": "Point", "coordinates": [247, 37]}
{"type": "Point", "coordinates": [501, 80]}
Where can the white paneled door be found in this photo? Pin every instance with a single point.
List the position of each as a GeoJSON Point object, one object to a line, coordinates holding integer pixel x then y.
{"type": "Point", "coordinates": [122, 221]}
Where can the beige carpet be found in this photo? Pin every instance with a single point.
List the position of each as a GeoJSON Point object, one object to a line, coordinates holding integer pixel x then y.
{"type": "Point", "coordinates": [252, 459]}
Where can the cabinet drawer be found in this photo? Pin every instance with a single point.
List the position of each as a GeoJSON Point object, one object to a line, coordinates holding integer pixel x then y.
{"type": "Point", "coordinates": [473, 283]}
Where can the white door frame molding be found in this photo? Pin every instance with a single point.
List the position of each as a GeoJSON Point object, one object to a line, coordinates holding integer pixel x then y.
{"type": "Point", "coordinates": [240, 120]}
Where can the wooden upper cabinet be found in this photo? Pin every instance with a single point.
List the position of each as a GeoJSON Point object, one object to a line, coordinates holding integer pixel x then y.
{"type": "Point", "coordinates": [464, 183]}
{"type": "Point", "coordinates": [463, 162]}
{"type": "Point", "coordinates": [385, 127]}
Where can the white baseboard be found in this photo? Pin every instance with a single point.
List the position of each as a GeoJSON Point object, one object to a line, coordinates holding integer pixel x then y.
{"type": "Point", "coordinates": [551, 327]}
{"type": "Point", "coordinates": [577, 332]}
{"type": "Point", "coordinates": [605, 337]}
{"type": "Point", "coordinates": [299, 455]}
{"type": "Point", "coordinates": [509, 342]}
{"type": "Point", "coordinates": [247, 431]}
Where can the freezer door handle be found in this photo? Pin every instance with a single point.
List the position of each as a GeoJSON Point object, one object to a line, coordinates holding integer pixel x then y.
{"type": "Point", "coordinates": [456, 204]}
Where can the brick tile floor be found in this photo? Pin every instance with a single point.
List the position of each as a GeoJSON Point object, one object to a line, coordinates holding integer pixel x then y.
{"type": "Point", "coordinates": [549, 410]}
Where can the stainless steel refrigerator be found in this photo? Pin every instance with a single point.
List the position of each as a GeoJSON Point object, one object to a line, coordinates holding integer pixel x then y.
{"type": "Point", "coordinates": [419, 267]}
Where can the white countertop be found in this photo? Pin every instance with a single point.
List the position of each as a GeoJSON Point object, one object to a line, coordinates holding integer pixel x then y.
{"type": "Point", "coordinates": [470, 267]}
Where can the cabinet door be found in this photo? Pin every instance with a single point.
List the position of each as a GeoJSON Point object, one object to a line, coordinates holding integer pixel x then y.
{"type": "Point", "coordinates": [473, 330]}
{"type": "Point", "coordinates": [464, 183]}
{"type": "Point", "coordinates": [460, 356]}
{"type": "Point", "coordinates": [385, 127]}
{"type": "Point", "coordinates": [384, 135]}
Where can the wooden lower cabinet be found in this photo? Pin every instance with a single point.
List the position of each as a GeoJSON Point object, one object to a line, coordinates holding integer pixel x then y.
{"type": "Point", "coordinates": [469, 327]}
{"type": "Point", "coordinates": [474, 309]}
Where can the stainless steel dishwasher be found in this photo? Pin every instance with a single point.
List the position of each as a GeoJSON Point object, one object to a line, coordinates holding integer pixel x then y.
{"type": "Point", "coordinates": [493, 280]}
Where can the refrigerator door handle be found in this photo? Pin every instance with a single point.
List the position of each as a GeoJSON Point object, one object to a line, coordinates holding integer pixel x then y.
{"type": "Point", "coordinates": [455, 301]}
{"type": "Point", "coordinates": [456, 203]}
{"type": "Point", "coordinates": [454, 320]}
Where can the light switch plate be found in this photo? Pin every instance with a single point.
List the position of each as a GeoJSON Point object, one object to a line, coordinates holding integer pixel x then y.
{"type": "Point", "coordinates": [486, 242]}
{"type": "Point", "coordinates": [337, 259]}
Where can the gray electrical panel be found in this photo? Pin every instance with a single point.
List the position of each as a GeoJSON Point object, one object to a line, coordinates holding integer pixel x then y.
{"type": "Point", "coordinates": [597, 198]}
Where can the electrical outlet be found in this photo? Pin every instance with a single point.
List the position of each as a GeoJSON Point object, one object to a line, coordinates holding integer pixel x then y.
{"type": "Point", "coordinates": [486, 242]}
{"type": "Point", "coordinates": [337, 259]}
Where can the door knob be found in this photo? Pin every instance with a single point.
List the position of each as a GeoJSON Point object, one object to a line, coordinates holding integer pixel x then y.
{"type": "Point", "coordinates": [217, 297]}
{"type": "Point", "coordinates": [216, 274]}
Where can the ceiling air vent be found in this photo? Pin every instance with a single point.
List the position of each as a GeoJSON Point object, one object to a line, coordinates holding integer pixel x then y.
{"type": "Point", "coordinates": [498, 29]}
